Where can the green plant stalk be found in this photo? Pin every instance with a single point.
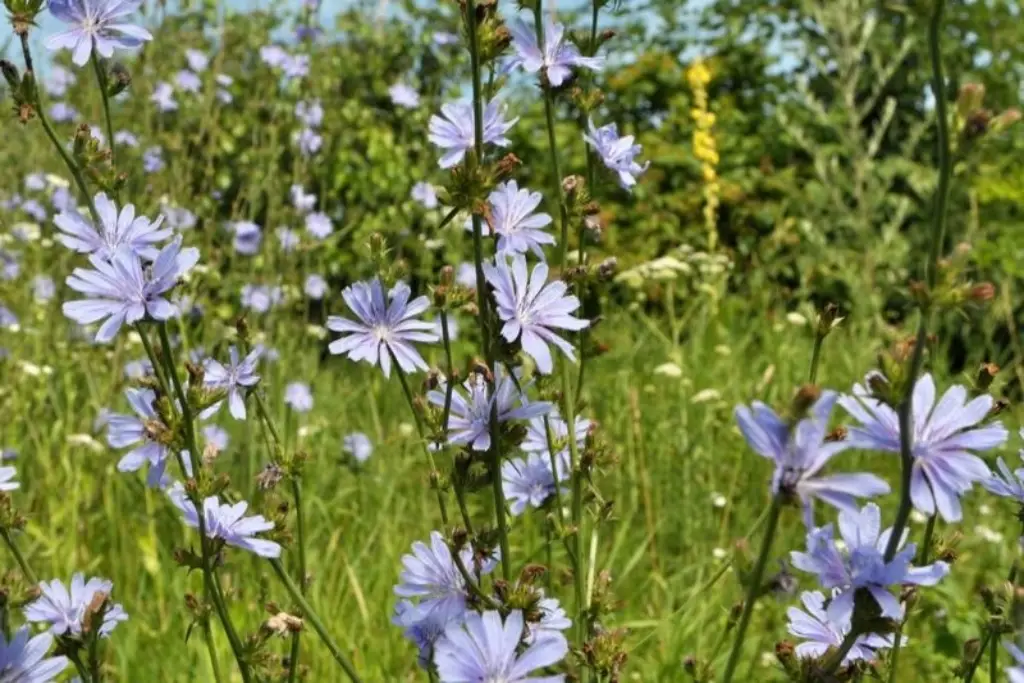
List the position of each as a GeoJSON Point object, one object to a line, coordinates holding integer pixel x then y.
{"type": "Point", "coordinates": [754, 589]}
{"type": "Point", "coordinates": [83, 672]}
{"type": "Point", "coordinates": [481, 289]}
{"type": "Point", "coordinates": [423, 437]}
{"type": "Point", "coordinates": [993, 660]}
{"type": "Point", "coordinates": [18, 557]}
{"type": "Point", "coordinates": [460, 494]}
{"type": "Point", "coordinates": [293, 668]}
{"type": "Point", "coordinates": [154, 360]}
{"type": "Point", "coordinates": [101, 79]}
{"type": "Point", "coordinates": [76, 172]}
{"type": "Point", "coordinates": [212, 650]}
{"type": "Point", "coordinates": [311, 616]}
{"type": "Point", "coordinates": [897, 646]}
{"type": "Point", "coordinates": [819, 339]}
{"type": "Point", "coordinates": [209, 573]}
{"type": "Point", "coordinates": [94, 658]}
{"type": "Point", "coordinates": [931, 272]}
{"type": "Point", "coordinates": [836, 660]}
{"type": "Point", "coordinates": [969, 674]}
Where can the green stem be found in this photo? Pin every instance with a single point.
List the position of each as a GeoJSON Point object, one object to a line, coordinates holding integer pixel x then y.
{"type": "Point", "coordinates": [301, 540]}
{"type": "Point", "coordinates": [836, 660]}
{"type": "Point", "coordinates": [754, 587]}
{"type": "Point", "coordinates": [76, 172]}
{"type": "Point", "coordinates": [311, 616]}
{"type": "Point", "coordinates": [941, 201]}
{"type": "Point", "coordinates": [211, 648]}
{"type": "Point", "coordinates": [815, 357]}
{"type": "Point", "coordinates": [154, 360]}
{"type": "Point", "coordinates": [209, 573]}
{"type": "Point", "coordinates": [83, 672]}
{"type": "Point", "coordinates": [101, 79]}
{"type": "Point", "coordinates": [993, 661]}
{"type": "Point", "coordinates": [261, 406]}
{"type": "Point", "coordinates": [94, 658]}
{"type": "Point", "coordinates": [18, 557]}
{"type": "Point", "coordinates": [423, 437]}
{"type": "Point", "coordinates": [969, 674]}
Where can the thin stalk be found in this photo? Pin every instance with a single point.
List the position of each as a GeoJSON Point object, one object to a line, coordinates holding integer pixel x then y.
{"type": "Point", "coordinates": [993, 661]}
{"type": "Point", "coordinates": [754, 589]}
{"type": "Point", "coordinates": [460, 494]}
{"type": "Point", "coordinates": [261, 406]}
{"type": "Point", "coordinates": [819, 339]}
{"type": "Point", "coordinates": [209, 573]}
{"type": "Point", "coordinates": [941, 201]}
{"type": "Point", "coordinates": [94, 659]}
{"type": "Point", "coordinates": [101, 79]}
{"type": "Point", "coordinates": [18, 557]}
{"type": "Point", "coordinates": [212, 650]}
{"type": "Point", "coordinates": [301, 540]}
{"type": "Point", "coordinates": [423, 437]}
{"type": "Point", "coordinates": [154, 360]}
{"type": "Point", "coordinates": [83, 672]}
{"type": "Point", "coordinates": [474, 587]}
{"type": "Point", "coordinates": [836, 660]}
{"type": "Point", "coordinates": [311, 616]}
{"type": "Point", "coordinates": [76, 172]}
{"type": "Point", "coordinates": [969, 674]}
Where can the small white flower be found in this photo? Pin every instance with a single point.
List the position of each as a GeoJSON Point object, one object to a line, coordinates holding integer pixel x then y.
{"type": "Point", "coordinates": [706, 395]}
{"type": "Point", "coordinates": [669, 370]}
{"type": "Point", "coordinates": [718, 500]}
{"type": "Point", "coordinates": [796, 319]}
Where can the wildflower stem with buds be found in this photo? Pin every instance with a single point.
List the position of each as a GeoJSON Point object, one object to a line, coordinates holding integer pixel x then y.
{"type": "Point", "coordinates": [938, 232]}
{"type": "Point", "coordinates": [18, 557]}
{"type": "Point", "coordinates": [101, 80]}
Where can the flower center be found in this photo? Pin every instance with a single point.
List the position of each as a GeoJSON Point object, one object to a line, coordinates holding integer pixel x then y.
{"type": "Point", "coordinates": [382, 333]}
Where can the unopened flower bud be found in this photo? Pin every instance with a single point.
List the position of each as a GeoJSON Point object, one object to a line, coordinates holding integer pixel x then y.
{"type": "Point", "coordinates": [969, 99]}
{"type": "Point", "coordinates": [440, 296]}
{"type": "Point", "coordinates": [119, 80]}
{"type": "Point", "coordinates": [805, 397]}
{"type": "Point", "coordinates": [11, 74]}
{"type": "Point", "coordinates": [1004, 120]}
{"type": "Point", "coordinates": [447, 276]}
{"type": "Point", "coordinates": [972, 648]}
{"type": "Point", "coordinates": [986, 374]}
{"type": "Point", "coordinates": [507, 164]}
{"type": "Point", "coordinates": [606, 269]}
{"type": "Point", "coordinates": [985, 291]}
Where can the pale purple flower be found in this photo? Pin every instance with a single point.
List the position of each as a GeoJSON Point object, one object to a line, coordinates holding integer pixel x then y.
{"type": "Point", "coordinates": [513, 219]}
{"type": "Point", "coordinates": [296, 66]}
{"type": "Point", "coordinates": [96, 24]}
{"type": "Point", "coordinates": [35, 182]}
{"type": "Point", "coordinates": [215, 436]}
{"type": "Point", "coordinates": [227, 522]}
{"type": "Point", "coordinates": [532, 308]}
{"type": "Point", "coordinates": [287, 238]}
{"type": "Point", "coordinates": [122, 291]}
{"type": "Point", "coordinates": [302, 201]}
{"type": "Point", "coordinates": [800, 453]}
{"type": "Point", "coordinates": [465, 275]}
{"type": "Point", "coordinates": [453, 328]}
{"type": "Point", "coordinates": [423, 629]}
{"type": "Point", "coordinates": [10, 267]}
{"type": "Point", "coordinates": [1006, 483]}
{"type": "Point", "coordinates": [358, 445]}
{"type": "Point", "coordinates": [553, 620]}
{"type": "Point", "coordinates": [33, 208]}
{"type": "Point", "coordinates": [248, 237]}
{"type": "Point", "coordinates": [118, 231]}
{"type": "Point", "coordinates": [536, 440]}
{"type": "Point", "coordinates": [445, 38]}
{"type": "Point", "coordinates": [7, 317]}
{"type": "Point", "coordinates": [188, 81]}
{"type": "Point", "coordinates": [23, 659]}
{"type": "Point", "coordinates": [527, 481]}
{"type": "Point", "coordinates": [236, 378]}
{"type": "Point", "coordinates": [431, 575]}
{"type": "Point", "coordinates": [137, 369]}
{"type": "Point", "coordinates": [261, 298]}
{"type": "Point", "coordinates": [43, 288]}
{"type": "Point", "coordinates": [309, 141]}
{"type": "Point", "coordinates": [383, 329]}
{"type": "Point", "coordinates": [153, 160]}
{"type": "Point", "coordinates": [469, 422]}
{"type": "Point", "coordinates": [945, 434]}
{"type": "Point", "coordinates": [558, 57]}
{"type": "Point", "coordinates": [319, 225]}
{"type": "Point", "coordinates": [137, 431]}
{"type": "Point", "coordinates": [403, 95]}
{"type": "Point", "coordinates": [298, 397]}
{"type": "Point", "coordinates": [861, 564]}
{"type": "Point", "coordinates": [178, 217]}
{"type": "Point", "coordinates": [7, 482]}
{"type": "Point", "coordinates": [163, 97]}
{"type": "Point", "coordinates": [58, 80]}
{"type": "Point", "coordinates": [617, 153]}
{"type": "Point", "coordinates": [62, 199]}
{"type": "Point", "coordinates": [485, 650]}
{"type": "Point", "coordinates": [452, 131]}
{"type": "Point", "coordinates": [65, 609]}
{"type": "Point", "coordinates": [126, 138]}
{"type": "Point", "coordinates": [424, 193]}
{"type": "Point", "coordinates": [224, 95]}
{"type": "Point", "coordinates": [315, 287]}
{"type": "Point", "coordinates": [273, 55]}
{"type": "Point", "coordinates": [310, 113]}
{"type": "Point", "coordinates": [197, 60]}
{"type": "Point", "coordinates": [820, 633]}
{"type": "Point", "coordinates": [61, 112]}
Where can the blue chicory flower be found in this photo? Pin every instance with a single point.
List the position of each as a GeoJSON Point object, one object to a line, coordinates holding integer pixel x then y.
{"type": "Point", "coordinates": [153, 160]}
{"type": "Point", "coordinates": [800, 454]}
{"type": "Point", "coordinates": [140, 431]}
{"type": "Point", "coordinates": [237, 378]}
{"type": "Point", "coordinates": [558, 57]}
{"type": "Point", "coordinates": [528, 481]}
{"type": "Point", "coordinates": [424, 193]}
{"type": "Point", "coordinates": [64, 610]}
{"type": "Point", "coordinates": [311, 113]}
{"type": "Point", "coordinates": [7, 482]}
{"type": "Point", "coordinates": [227, 522]}
{"type": "Point", "coordinates": [197, 60]}
{"type": "Point", "coordinates": [287, 238]}
{"type": "Point", "coordinates": [302, 201]}
{"type": "Point", "coordinates": [861, 564]}
{"type": "Point", "coordinates": [315, 286]}
{"type": "Point", "coordinates": [358, 445]}
{"type": "Point", "coordinates": [23, 658]}
{"type": "Point", "coordinates": [617, 153]}
{"type": "Point", "coordinates": [126, 138]}
{"type": "Point", "coordinates": [469, 421]}
{"type": "Point", "coordinates": [820, 633]}
{"type": "Point", "coordinates": [485, 649]}
{"type": "Point", "coordinates": [453, 132]}
{"type": "Point", "coordinates": [117, 231]}
{"type": "Point", "coordinates": [533, 308]}
{"type": "Point", "coordinates": [403, 95]}
{"type": "Point", "coordinates": [163, 97]}
{"type": "Point", "coordinates": [298, 397]}
{"type": "Point", "coordinates": [383, 329]}
{"type": "Point", "coordinates": [215, 436]}
{"type": "Point", "coordinates": [43, 288]}
{"type": "Point", "coordinates": [58, 80]}
{"type": "Point", "coordinates": [62, 112]}
{"type": "Point", "coordinates": [96, 24]}
{"type": "Point", "coordinates": [188, 81]}
{"type": "Point", "coordinates": [945, 434]}
{"type": "Point", "coordinates": [319, 225]}
{"type": "Point", "coordinates": [248, 237]}
{"type": "Point", "coordinates": [1014, 674]}
{"type": "Point", "coordinates": [309, 141]}
{"type": "Point", "coordinates": [122, 291]}
{"type": "Point", "coordinates": [260, 298]}
{"type": "Point", "coordinates": [512, 218]}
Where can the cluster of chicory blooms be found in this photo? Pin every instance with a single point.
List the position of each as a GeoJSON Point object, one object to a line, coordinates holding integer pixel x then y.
{"type": "Point", "coordinates": [946, 435]}
{"type": "Point", "coordinates": [190, 80]}
{"type": "Point", "coordinates": [311, 115]}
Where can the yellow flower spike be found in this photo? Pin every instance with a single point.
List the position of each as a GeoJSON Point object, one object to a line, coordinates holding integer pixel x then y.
{"type": "Point", "coordinates": [705, 149]}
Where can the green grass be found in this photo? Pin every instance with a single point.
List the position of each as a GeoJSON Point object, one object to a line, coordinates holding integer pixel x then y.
{"type": "Point", "coordinates": [673, 456]}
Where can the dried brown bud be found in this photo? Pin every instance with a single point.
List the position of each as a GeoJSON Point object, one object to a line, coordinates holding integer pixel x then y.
{"type": "Point", "coordinates": [507, 164]}
{"type": "Point", "coordinates": [986, 374]}
{"type": "Point", "coordinates": [977, 123]}
{"type": "Point", "coordinates": [447, 276]}
{"type": "Point", "coordinates": [10, 73]}
{"type": "Point", "coordinates": [805, 397]}
{"type": "Point", "coordinates": [283, 623]}
{"type": "Point", "coordinates": [837, 434]}
{"type": "Point", "coordinates": [985, 291]}
{"type": "Point", "coordinates": [270, 477]}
